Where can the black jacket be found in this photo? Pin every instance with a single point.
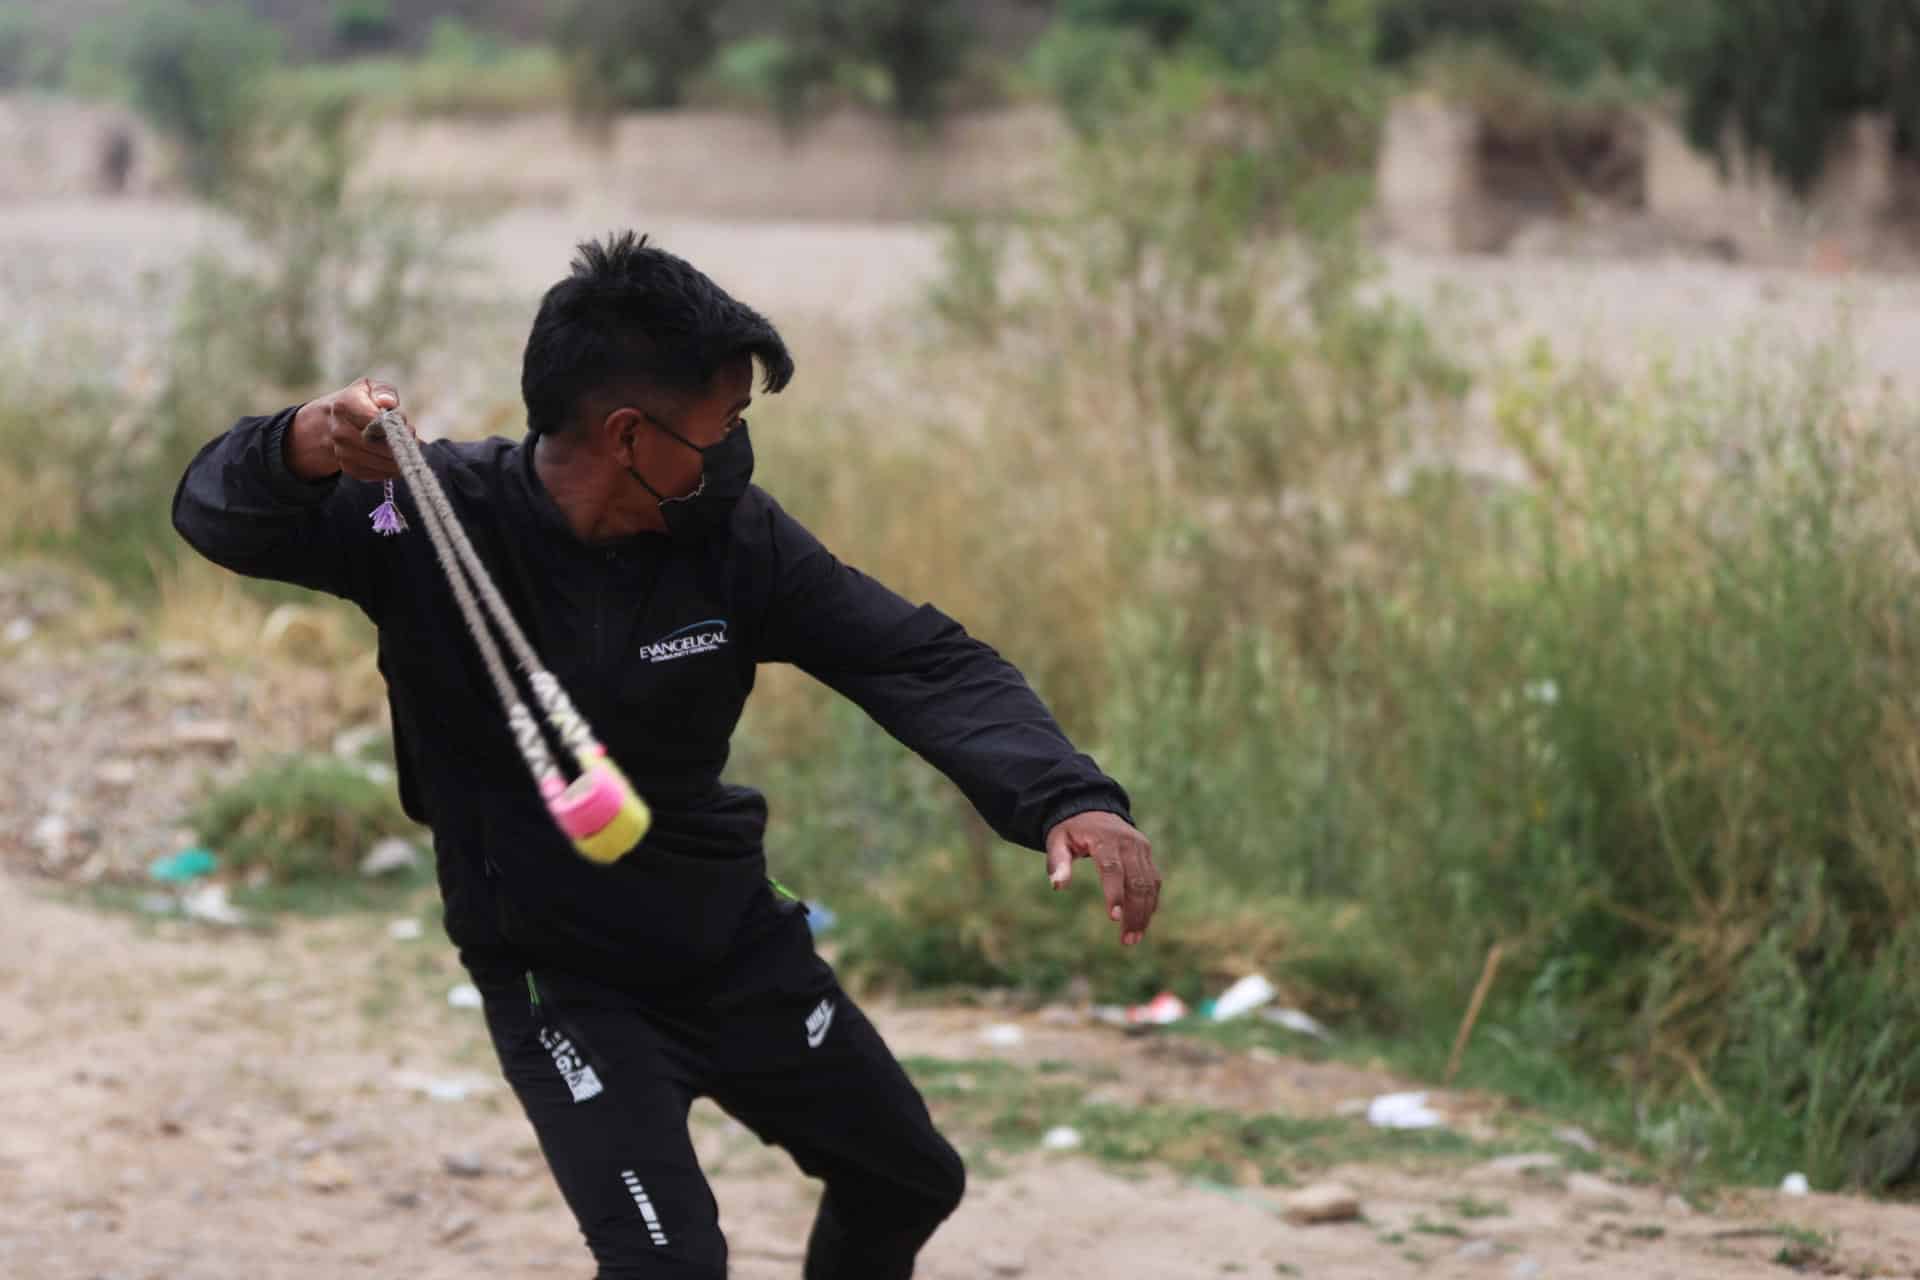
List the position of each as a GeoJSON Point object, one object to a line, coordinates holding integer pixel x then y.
{"type": "Point", "coordinates": [657, 641]}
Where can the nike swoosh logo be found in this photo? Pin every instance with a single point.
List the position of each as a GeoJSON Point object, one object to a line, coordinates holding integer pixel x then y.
{"type": "Point", "coordinates": [815, 1036]}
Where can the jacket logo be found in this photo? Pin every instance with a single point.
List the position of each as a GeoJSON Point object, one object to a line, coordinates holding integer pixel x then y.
{"type": "Point", "coordinates": [689, 641]}
{"type": "Point", "coordinates": [582, 1082]}
{"type": "Point", "coordinates": [817, 1023]}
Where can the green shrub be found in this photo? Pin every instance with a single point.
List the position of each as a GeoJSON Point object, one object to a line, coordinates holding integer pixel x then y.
{"type": "Point", "coordinates": [1642, 718]}
{"type": "Point", "coordinates": [464, 73]}
{"type": "Point", "coordinates": [30, 58]}
{"type": "Point", "coordinates": [1165, 22]}
{"type": "Point", "coordinates": [1570, 42]}
{"type": "Point", "coordinates": [1239, 35]}
{"type": "Point", "coordinates": [195, 72]}
{"type": "Point", "coordinates": [1783, 78]}
{"type": "Point", "coordinates": [331, 281]}
{"type": "Point", "coordinates": [360, 25]}
{"type": "Point", "coordinates": [1094, 72]}
{"type": "Point", "coordinates": [624, 54]}
{"type": "Point", "coordinates": [915, 50]}
{"type": "Point", "coordinates": [752, 70]}
{"type": "Point", "coordinates": [301, 819]}
{"type": "Point", "coordinates": [349, 276]}
{"type": "Point", "coordinates": [451, 41]}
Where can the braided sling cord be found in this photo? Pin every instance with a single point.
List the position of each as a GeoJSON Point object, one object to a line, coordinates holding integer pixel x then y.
{"type": "Point", "coordinates": [468, 576]}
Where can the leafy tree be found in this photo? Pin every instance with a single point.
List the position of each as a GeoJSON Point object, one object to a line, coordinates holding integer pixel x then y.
{"type": "Point", "coordinates": [1238, 34]}
{"type": "Point", "coordinates": [919, 46]}
{"type": "Point", "coordinates": [1567, 41]}
{"type": "Point", "coordinates": [1786, 75]}
{"type": "Point", "coordinates": [635, 53]}
{"type": "Point", "coordinates": [359, 25]}
{"type": "Point", "coordinates": [1165, 22]}
{"type": "Point", "coordinates": [29, 55]}
{"type": "Point", "coordinates": [194, 72]}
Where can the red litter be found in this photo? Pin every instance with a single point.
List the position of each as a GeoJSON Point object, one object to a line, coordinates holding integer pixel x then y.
{"type": "Point", "coordinates": [1159, 1011]}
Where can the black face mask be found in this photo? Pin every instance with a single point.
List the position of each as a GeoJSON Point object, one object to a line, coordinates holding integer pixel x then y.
{"type": "Point", "coordinates": [726, 469]}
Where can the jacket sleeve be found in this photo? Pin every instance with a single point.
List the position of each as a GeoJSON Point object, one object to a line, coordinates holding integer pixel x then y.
{"type": "Point", "coordinates": [949, 697]}
{"type": "Point", "coordinates": [240, 506]}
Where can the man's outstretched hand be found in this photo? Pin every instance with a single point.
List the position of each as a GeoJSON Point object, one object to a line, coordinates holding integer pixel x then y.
{"type": "Point", "coordinates": [1125, 862]}
{"type": "Point", "coordinates": [327, 435]}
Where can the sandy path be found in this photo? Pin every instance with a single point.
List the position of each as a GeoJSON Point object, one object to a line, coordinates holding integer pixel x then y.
{"type": "Point", "coordinates": [185, 1104]}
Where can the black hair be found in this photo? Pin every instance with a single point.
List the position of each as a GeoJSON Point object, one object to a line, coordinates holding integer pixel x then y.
{"type": "Point", "coordinates": [634, 315]}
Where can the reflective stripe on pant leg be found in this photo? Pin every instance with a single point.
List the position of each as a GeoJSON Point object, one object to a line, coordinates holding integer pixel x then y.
{"type": "Point", "coordinates": [608, 1103]}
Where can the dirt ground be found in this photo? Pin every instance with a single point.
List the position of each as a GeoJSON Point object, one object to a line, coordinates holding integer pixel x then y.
{"type": "Point", "coordinates": [187, 1102]}
{"type": "Point", "coordinates": [184, 1103]}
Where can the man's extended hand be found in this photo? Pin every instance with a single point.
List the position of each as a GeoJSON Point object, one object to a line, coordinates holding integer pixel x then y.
{"type": "Point", "coordinates": [1125, 861]}
{"type": "Point", "coordinates": [327, 434]}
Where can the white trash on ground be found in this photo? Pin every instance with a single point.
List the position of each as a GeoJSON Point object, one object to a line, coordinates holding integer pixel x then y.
{"type": "Point", "coordinates": [405, 929]}
{"type": "Point", "coordinates": [1243, 997]}
{"type": "Point", "coordinates": [1403, 1111]}
{"type": "Point", "coordinates": [464, 996]}
{"type": "Point", "coordinates": [1795, 1184]}
{"type": "Point", "coordinates": [1003, 1035]}
{"type": "Point", "coordinates": [1295, 1020]}
{"type": "Point", "coordinates": [209, 903]}
{"type": "Point", "coordinates": [389, 855]}
{"type": "Point", "coordinates": [442, 1088]}
{"type": "Point", "coordinates": [1060, 1138]}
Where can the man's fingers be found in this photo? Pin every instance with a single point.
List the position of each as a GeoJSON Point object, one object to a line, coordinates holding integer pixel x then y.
{"type": "Point", "coordinates": [1113, 881]}
{"type": "Point", "coordinates": [359, 404]}
{"type": "Point", "coordinates": [382, 395]}
{"type": "Point", "coordinates": [366, 453]}
{"type": "Point", "coordinates": [1142, 890]}
{"type": "Point", "coordinates": [1059, 858]}
{"type": "Point", "coordinates": [363, 459]}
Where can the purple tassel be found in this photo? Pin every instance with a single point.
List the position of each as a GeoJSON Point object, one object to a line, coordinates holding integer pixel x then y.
{"type": "Point", "coordinates": [387, 518]}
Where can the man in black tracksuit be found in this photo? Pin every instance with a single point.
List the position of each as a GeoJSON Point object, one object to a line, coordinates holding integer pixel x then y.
{"type": "Point", "coordinates": [653, 579]}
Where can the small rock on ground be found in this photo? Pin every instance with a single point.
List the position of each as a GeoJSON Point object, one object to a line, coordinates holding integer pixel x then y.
{"type": "Point", "coordinates": [1323, 1202]}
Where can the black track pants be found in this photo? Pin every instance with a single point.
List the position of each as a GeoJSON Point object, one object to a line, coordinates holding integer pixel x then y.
{"type": "Point", "coordinates": [607, 1078]}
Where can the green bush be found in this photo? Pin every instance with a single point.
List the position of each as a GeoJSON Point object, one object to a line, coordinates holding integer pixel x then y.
{"type": "Point", "coordinates": [464, 72]}
{"type": "Point", "coordinates": [1643, 718]}
{"type": "Point", "coordinates": [1165, 22]}
{"type": "Point", "coordinates": [1094, 72]}
{"type": "Point", "coordinates": [350, 276]}
{"type": "Point", "coordinates": [1240, 35]}
{"type": "Point", "coordinates": [1570, 42]}
{"type": "Point", "coordinates": [332, 279]}
{"type": "Point", "coordinates": [916, 49]}
{"type": "Point", "coordinates": [29, 56]}
{"type": "Point", "coordinates": [625, 54]}
{"type": "Point", "coordinates": [195, 72]}
{"type": "Point", "coordinates": [301, 819]}
{"type": "Point", "coordinates": [1783, 78]}
{"type": "Point", "coordinates": [360, 25]}
{"type": "Point", "coordinates": [1646, 721]}
{"type": "Point", "coordinates": [751, 68]}
{"type": "Point", "coordinates": [453, 42]}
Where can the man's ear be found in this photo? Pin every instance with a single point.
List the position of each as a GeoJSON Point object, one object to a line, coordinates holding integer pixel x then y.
{"type": "Point", "coordinates": [619, 430]}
